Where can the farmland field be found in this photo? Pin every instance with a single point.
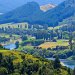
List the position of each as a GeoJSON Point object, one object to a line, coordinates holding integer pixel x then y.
{"type": "Point", "coordinates": [54, 44]}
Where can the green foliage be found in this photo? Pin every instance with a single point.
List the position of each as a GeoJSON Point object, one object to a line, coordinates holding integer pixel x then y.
{"type": "Point", "coordinates": [73, 72]}
{"type": "Point", "coordinates": [1, 47]}
{"type": "Point", "coordinates": [27, 66]}
{"type": "Point", "coordinates": [15, 74]}
{"type": "Point", "coordinates": [24, 38]}
{"type": "Point", "coordinates": [3, 71]}
{"type": "Point", "coordinates": [17, 44]}
{"type": "Point", "coordinates": [33, 42]}
{"type": "Point", "coordinates": [44, 70]}
{"type": "Point", "coordinates": [57, 63]}
{"type": "Point", "coordinates": [1, 58]}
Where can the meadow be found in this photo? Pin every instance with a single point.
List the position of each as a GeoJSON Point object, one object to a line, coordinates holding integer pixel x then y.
{"type": "Point", "coordinates": [54, 44]}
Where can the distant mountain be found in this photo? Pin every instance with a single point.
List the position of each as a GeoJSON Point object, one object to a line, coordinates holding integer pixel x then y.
{"type": "Point", "coordinates": [31, 13]}
{"type": "Point", "coordinates": [58, 14]}
{"type": "Point", "coordinates": [47, 7]}
{"type": "Point", "coordinates": [71, 18]}
{"type": "Point", "coordinates": [68, 21]}
{"type": "Point", "coordinates": [9, 5]}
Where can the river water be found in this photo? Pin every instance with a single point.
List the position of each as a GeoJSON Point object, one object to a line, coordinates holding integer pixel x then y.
{"type": "Point", "coordinates": [10, 46]}
{"type": "Point", "coordinates": [67, 63]}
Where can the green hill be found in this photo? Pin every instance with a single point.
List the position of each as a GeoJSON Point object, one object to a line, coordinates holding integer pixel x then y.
{"type": "Point", "coordinates": [18, 63]}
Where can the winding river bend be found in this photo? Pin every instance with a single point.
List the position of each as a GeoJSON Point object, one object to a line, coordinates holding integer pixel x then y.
{"type": "Point", "coordinates": [67, 63]}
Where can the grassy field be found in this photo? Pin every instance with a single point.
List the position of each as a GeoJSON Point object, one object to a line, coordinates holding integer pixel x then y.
{"type": "Point", "coordinates": [54, 44]}
{"type": "Point", "coordinates": [4, 35]}
{"type": "Point", "coordinates": [25, 47]}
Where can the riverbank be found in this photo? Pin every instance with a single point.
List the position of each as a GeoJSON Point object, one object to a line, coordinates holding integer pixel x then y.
{"type": "Point", "coordinates": [65, 62]}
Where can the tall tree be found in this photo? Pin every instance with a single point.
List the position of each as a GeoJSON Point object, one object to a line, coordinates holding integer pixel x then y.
{"type": "Point", "coordinates": [73, 72]}
{"type": "Point", "coordinates": [70, 41]}
{"type": "Point", "coordinates": [1, 57]}
{"type": "Point", "coordinates": [17, 44]}
{"type": "Point", "coordinates": [57, 63]}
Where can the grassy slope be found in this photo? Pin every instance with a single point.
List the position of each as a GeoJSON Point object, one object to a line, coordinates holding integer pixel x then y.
{"type": "Point", "coordinates": [54, 44]}
{"type": "Point", "coordinates": [17, 54]}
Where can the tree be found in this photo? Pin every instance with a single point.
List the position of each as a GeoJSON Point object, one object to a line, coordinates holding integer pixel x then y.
{"type": "Point", "coordinates": [3, 71]}
{"type": "Point", "coordinates": [10, 65]}
{"type": "Point", "coordinates": [73, 72]}
{"type": "Point", "coordinates": [24, 38]}
{"type": "Point", "coordinates": [35, 66]}
{"type": "Point", "coordinates": [17, 44]}
{"type": "Point", "coordinates": [57, 63]}
{"type": "Point", "coordinates": [45, 71]}
{"type": "Point", "coordinates": [69, 71]}
{"type": "Point", "coordinates": [70, 41]}
{"type": "Point", "coordinates": [15, 74]}
{"type": "Point", "coordinates": [24, 66]}
{"type": "Point", "coordinates": [1, 57]}
{"type": "Point", "coordinates": [1, 47]}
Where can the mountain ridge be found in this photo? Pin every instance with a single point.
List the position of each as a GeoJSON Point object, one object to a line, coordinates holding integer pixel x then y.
{"type": "Point", "coordinates": [9, 5]}
{"type": "Point", "coordinates": [31, 13]}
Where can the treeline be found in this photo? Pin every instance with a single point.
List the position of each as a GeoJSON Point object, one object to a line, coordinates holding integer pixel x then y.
{"type": "Point", "coordinates": [3, 39]}
{"type": "Point", "coordinates": [33, 42]}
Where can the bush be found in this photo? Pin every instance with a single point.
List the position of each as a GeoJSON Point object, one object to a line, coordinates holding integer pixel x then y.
{"type": "Point", "coordinates": [15, 74]}
{"type": "Point", "coordinates": [3, 71]}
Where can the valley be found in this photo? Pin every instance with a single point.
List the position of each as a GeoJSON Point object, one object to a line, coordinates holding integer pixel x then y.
{"type": "Point", "coordinates": [34, 39]}
{"type": "Point", "coordinates": [38, 39]}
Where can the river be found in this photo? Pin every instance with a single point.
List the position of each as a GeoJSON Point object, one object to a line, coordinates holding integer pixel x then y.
{"type": "Point", "coordinates": [10, 46]}
{"type": "Point", "coordinates": [67, 63]}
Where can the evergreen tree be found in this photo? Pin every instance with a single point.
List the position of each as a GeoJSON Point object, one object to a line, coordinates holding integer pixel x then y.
{"type": "Point", "coordinates": [57, 63]}
{"type": "Point", "coordinates": [69, 71]}
{"type": "Point", "coordinates": [3, 71]}
{"type": "Point", "coordinates": [70, 41]}
{"type": "Point", "coordinates": [73, 72]}
{"type": "Point", "coordinates": [17, 44]}
{"type": "Point", "coordinates": [1, 57]}
{"type": "Point", "coordinates": [10, 65]}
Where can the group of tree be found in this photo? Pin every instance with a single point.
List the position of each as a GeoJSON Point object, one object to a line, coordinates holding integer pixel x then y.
{"type": "Point", "coordinates": [33, 42]}
{"type": "Point", "coordinates": [30, 67]}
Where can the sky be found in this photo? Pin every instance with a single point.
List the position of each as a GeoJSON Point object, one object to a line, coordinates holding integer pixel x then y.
{"type": "Point", "coordinates": [7, 5]}
{"type": "Point", "coordinates": [48, 1]}
{"type": "Point", "coordinates": [25, 1]}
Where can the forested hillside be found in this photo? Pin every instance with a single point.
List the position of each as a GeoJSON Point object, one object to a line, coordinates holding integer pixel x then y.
{"type": "Point", "coordinates": [18, 63]}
